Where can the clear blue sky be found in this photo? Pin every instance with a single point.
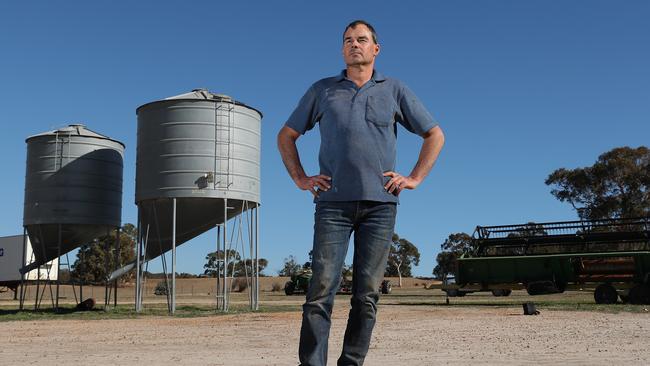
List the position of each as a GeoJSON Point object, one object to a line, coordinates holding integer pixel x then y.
{"type": "Point", "coordinates": [520, 88]}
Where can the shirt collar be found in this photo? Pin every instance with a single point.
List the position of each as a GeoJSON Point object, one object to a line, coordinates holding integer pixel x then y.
{"type": "Point", "coordinates": [376, 76]}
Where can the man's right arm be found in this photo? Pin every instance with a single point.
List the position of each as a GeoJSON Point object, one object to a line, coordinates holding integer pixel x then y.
{"type": "Point", "coordinates": [287, 145]}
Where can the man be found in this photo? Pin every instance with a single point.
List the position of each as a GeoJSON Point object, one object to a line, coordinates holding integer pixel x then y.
{"type": "Point", "coordinates": [357, 188]}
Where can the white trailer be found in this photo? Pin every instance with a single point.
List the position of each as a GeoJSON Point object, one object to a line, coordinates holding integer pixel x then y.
{"type": "Point", "coordinates": [12, 253]}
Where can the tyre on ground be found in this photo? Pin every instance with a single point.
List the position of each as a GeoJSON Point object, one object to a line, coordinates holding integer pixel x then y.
{"type": "Point", "coordinates": [289, 288]}
{"type": "Point", "coordinates": [605, 294]}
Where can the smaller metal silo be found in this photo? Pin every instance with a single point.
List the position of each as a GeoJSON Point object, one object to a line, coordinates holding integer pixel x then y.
{"type": "Point", "coordinates": [73, 189]}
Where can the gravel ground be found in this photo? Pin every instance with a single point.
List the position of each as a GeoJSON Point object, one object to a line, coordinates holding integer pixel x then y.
{"type": "Point", "coordinates": [404, 335]}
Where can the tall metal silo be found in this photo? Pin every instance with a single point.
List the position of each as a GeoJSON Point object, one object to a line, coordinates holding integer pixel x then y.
{"type": "Point", "coordinates": [73, 190]}
{"type": "Point", "coordinates": [198, 166]}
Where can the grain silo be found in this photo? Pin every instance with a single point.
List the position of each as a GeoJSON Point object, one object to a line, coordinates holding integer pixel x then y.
{"type": "Point", "coordinates": [198, 166]}
{"type": "Point", "coordinates": [73, 190]}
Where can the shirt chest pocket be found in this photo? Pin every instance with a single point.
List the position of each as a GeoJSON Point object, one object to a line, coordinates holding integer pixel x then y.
{"type": "Point", "coordinates": [380, 110]}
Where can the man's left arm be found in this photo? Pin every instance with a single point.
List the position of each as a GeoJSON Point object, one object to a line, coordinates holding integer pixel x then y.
{"type": "Point", "coordinates": [432, 143]}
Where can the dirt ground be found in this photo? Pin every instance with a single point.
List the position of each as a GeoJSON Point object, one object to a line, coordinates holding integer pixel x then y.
{"type": "Point", "coordinates": [404, 335]}
{"type": "Point", "coordinates": [411, 330]}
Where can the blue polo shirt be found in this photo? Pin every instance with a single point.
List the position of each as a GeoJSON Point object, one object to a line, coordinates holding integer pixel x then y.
{"type": "Point", "coordinates": [359, 132]}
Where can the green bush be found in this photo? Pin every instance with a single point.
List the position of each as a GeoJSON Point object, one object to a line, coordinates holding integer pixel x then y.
{"type": "Point", "coordinates": [161, 288]}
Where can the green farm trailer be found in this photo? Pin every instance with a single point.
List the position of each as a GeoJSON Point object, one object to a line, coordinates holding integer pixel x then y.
{"type": "Point", "coordinates": [611, 255]}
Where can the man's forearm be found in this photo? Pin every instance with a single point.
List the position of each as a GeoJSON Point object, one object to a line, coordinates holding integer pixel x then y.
{"type": "Point", "coordinates": [289, 154]}
{"type": "Point", "coordinates": [287, 145]}
{"type": "Point", "coordinates": [433, 141]}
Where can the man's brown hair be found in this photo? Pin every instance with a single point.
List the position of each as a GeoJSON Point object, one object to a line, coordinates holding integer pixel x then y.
{"type": "Point", "coordinates": [361, 22]}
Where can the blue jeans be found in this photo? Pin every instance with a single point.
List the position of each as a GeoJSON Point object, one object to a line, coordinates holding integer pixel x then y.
{"type": "Point", "coordinates": [372, 224]}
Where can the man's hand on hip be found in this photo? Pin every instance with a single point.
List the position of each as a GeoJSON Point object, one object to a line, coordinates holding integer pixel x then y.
{"type": "Point", "coordinates": [398, 182]}
{"type": "Point", "coordinates": [434, 139]}
{"type": "Point", "coordinates": [322, 182]}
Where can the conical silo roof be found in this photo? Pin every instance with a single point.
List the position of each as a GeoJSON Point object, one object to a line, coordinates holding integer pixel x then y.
{"type": "Point", "coordinates": [76, 129]}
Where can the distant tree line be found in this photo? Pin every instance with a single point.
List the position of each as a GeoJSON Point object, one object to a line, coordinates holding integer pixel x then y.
{"type": "Point", "coordinates": [237, 267]}
{"type": "Point", "coordinates": [617, 185]}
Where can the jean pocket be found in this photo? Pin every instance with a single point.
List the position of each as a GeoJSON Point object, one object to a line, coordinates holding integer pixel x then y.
{"type": "Point", "coordinates": [380, 110]}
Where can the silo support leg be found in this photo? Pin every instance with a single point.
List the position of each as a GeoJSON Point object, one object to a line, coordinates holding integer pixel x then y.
{"type": "Point", "coordinates": [257, 273]}
{"type": "Point", "coordinates": [137, 268]}
{"type": "Point", "coordinates": [58, 268]}
{"type": "Point", "coordinates": [106, 266]}
{"type": "Point", "coordinates": [38, 287]}
{"type": "Point", "coordinates": [173, 294]}
{"type": "Point", "coordinates": [22, 275]}
{"type": "Point", "coordinates": [117, 264]}
{"type": "Point", "coordinates": [163, 259]}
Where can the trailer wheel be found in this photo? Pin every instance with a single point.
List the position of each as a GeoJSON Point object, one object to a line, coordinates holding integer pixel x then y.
{"type": "Point", "coordinates": [605, 294]}
{"type": "Point", "coordinates": [289, 288]}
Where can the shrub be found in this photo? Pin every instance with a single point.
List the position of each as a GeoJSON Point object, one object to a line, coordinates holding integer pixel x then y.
{"type": "Point", "coordinates": [276, 287]}
{"type": "Point", "coordinates": [239, 284]}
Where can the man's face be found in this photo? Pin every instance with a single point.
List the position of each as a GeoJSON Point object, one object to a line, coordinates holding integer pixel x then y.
{"type": "Point", "coordinates": [358, 46]}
